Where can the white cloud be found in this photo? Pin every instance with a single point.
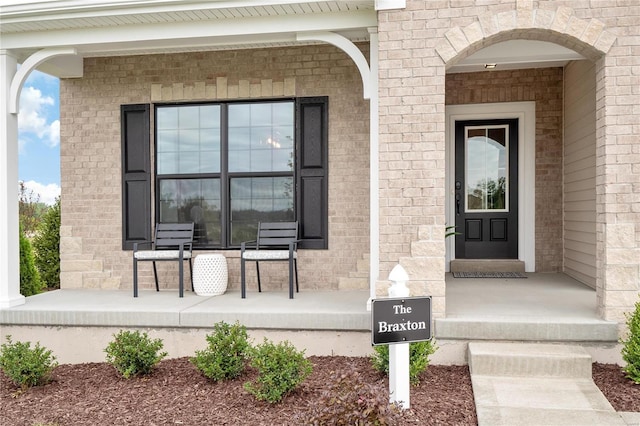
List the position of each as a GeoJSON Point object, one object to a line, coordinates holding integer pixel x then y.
{"type": "Point", "coordinates": [48, 193]}
{"type": "Point", "coordinates": [54, 133]}
{"type": "Point", "coordinates": [32, 117]}
{"type": "Point", "coordinates": [22, 143]}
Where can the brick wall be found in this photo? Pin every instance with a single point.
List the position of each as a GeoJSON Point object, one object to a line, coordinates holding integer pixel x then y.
{"type": "Point", "coordinates": [91, 164]}
{"type": "Point", "coordinates": [418, 43]}
{"type": "Point", "coordinates": [544, 86]}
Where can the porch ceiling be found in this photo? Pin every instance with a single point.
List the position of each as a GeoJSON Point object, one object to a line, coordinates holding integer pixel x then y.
{"type": "Point", "coordinates": [135, 27]}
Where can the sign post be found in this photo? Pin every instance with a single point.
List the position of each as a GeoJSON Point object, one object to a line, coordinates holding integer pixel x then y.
{"type": "Point", "coordinates": [397, 322]}
{"type": "Point", "coordinates": [399, 383]}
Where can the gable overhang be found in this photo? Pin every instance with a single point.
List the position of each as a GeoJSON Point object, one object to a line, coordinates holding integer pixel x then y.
{"type": "Point", "coordinates": [137, 27]}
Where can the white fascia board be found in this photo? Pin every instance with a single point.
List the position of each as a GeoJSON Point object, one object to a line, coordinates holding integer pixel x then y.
{"type": "Point", "coordinates": [189, 30]}
{"type": "Point", "coordinates": [390, 4]}
{"type": "Point", "coordinates": [98, 8]}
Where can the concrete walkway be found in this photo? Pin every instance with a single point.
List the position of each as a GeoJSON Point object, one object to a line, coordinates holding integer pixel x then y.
{"type": "Point", "coordinates": [538, 384]}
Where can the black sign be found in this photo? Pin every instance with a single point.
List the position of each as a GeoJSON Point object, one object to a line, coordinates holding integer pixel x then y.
{"type": "Point", "coordinates": [406, 319]}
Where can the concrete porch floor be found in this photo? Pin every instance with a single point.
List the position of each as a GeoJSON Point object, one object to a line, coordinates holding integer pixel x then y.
{"type": "Point", "coordinates": [543, 307]}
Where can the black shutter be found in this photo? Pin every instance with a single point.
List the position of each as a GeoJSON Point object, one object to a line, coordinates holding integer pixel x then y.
{"type": "Point", "coordinates": [312, 171]}
{"type": "Point", "coordinates": [136, 175]}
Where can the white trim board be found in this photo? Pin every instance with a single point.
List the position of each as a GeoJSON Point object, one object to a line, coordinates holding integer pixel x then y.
{"type": "Point", "coordinates": [526, 113]}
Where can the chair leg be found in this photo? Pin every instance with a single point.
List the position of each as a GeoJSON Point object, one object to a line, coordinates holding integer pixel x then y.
{"type": "Point", "coordinates": [295, 265]}
{"type": "Point", "coordinates": [135, 277]}
{"type": "Point", "coordinates": [290, 278]}
{"type": "Point", "coordinates": [181, 275]}
{"type": "Point", "coordinates": [243, 289]}
{"type": "Point", "coordinates": [155, 275]}
{"type": "Point", "coordinates": [191, 275]}
{"type": "Point", "coordinates": [258, 269]}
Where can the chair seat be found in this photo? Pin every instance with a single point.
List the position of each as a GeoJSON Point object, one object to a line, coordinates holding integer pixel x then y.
{"type": "Point", "coordinates": [161, 254]}
{"type": "Point", "coordinates": [268, 255]}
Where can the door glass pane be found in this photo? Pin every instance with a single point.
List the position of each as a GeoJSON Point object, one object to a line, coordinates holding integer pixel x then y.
{"type": "Point", "coordinates": [193, 200]}
{"type": "Point", "coordinates": [486, 169]}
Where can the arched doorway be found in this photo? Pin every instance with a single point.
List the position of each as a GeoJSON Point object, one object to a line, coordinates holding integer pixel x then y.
{"type": "Point", "coordinates": [491, 76]}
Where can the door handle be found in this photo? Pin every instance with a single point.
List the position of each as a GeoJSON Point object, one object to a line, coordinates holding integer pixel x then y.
{"type": "Point", "coordinates": [458, 204]}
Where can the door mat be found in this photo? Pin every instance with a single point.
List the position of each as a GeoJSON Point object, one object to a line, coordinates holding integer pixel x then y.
{"type": "Point", "coordinates": [488, 275]}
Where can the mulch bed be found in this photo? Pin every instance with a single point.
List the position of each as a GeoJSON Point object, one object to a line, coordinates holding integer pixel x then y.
{"type": "Point", "coordinates": [622, 393]}
{"type": "Point", "coordinates": [177, 394]}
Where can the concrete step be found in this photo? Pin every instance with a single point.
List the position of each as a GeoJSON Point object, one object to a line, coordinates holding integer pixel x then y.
{"type": "Point", "coordinates": [529, 360]}
{"type": "Point", "coordinates": [530, 401]}
{"type": "Point", "coordinates": [524, 328]}
{"type": "Point", "coordinates": [536, 384]}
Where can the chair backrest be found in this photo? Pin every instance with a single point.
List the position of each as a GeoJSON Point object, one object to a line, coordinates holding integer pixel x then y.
{"type": "Point", "coordinates": [171, 235]}
{"type": "Point", "coordinates": [276, 234]}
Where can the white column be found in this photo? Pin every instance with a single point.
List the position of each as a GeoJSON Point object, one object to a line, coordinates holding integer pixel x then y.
{"type": "Point", "coordinates": [369, 74]}
{"type": "Point", "coordinates": [9, 241]}
{"type": "Point", "coordinates": [374, 167]}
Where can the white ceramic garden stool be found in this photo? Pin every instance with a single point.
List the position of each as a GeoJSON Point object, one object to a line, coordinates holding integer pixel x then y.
{"type": "Point", "coordinates": [210, 274]}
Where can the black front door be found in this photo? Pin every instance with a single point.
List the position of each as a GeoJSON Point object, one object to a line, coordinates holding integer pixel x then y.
{"type": "Point", "coordinates": [486, 189]}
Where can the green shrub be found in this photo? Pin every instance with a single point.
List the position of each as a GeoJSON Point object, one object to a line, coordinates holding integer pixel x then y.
{"type": "Point", "coordinates": [30, 282]}
{"type": "Point", "coordinates": [26, 366]}
{"type": "Point", "coordinates": [46, 245]}
{"type": "Point", "coordinates": [281, 368]}
{"type": "Point", "coordinates": [419, 353]}
{"type": "Point", "coordinates": [631, 346]}
{"type": "Point", "coordinates": [226, 354]}
{"type": "Point", "coordinates": [133, 353]}
{"type": "Point", "coordinates": [352, 401]}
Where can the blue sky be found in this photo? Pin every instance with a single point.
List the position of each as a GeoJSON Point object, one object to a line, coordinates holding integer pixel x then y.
{"type": "Point", "coordinates": [39, 136]}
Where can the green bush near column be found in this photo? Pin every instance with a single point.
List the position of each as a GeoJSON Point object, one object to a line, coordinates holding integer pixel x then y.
{"type": "Point", "coordinates": [419, 353]}
{"type": "Point", "coordinates": [46, 245]}
{"type": "Point", "coordinates": [631, 348]}
{"type": "Point", "coordinates": [30, 282]}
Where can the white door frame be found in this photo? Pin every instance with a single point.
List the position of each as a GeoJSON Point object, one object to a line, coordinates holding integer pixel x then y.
{"type": "Point", "coordinates": [526, 113]}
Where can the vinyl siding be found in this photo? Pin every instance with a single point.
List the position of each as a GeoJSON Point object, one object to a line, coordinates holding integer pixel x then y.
{"type": "Point", "coordinates": [579, 190]}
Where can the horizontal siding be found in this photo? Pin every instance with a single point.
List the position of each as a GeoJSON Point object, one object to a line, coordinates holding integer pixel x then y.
{"type": "Point", "coordinates": [579, 173]}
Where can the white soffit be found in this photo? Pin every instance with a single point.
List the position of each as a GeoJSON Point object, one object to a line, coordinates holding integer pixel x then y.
{"type": "Point", "coordinates": [517, 54]}
{"type": "Point", "coordinates": [133, 27]}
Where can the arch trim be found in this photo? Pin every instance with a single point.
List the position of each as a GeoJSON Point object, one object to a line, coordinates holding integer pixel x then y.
{"type": "Point", "coordinates": [350, 49]}
{"type": "Point", "coordinates": [591, 33]}
{"type": "Point", "coordinates": [25, 69]}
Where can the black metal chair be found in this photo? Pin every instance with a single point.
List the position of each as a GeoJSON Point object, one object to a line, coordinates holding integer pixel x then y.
{"type": "Point", "coordinates": [172, 242]}
{"type": "Point", "coordinates": [276, 241]}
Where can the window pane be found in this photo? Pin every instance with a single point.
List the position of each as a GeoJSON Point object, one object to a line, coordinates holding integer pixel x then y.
{"type": "Point", "coordinates": [167, 140]}
{"type": "Point", "coordinates": [268, 199]}
{"type": "Point", "coordinates": [186, 132]}
{"type": "Point", "coordinates": [189, 140]}
{"type": "Point", "coordinates": [189, 117]}
{"type": "Point", "coordinates": [167, 118]}
{"type": "Point", "coordinates": [167, 163]}
{"type": "Point", "coordinates": [193, 200]}
{"type": "Point", "coordinates": [261, 137]}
